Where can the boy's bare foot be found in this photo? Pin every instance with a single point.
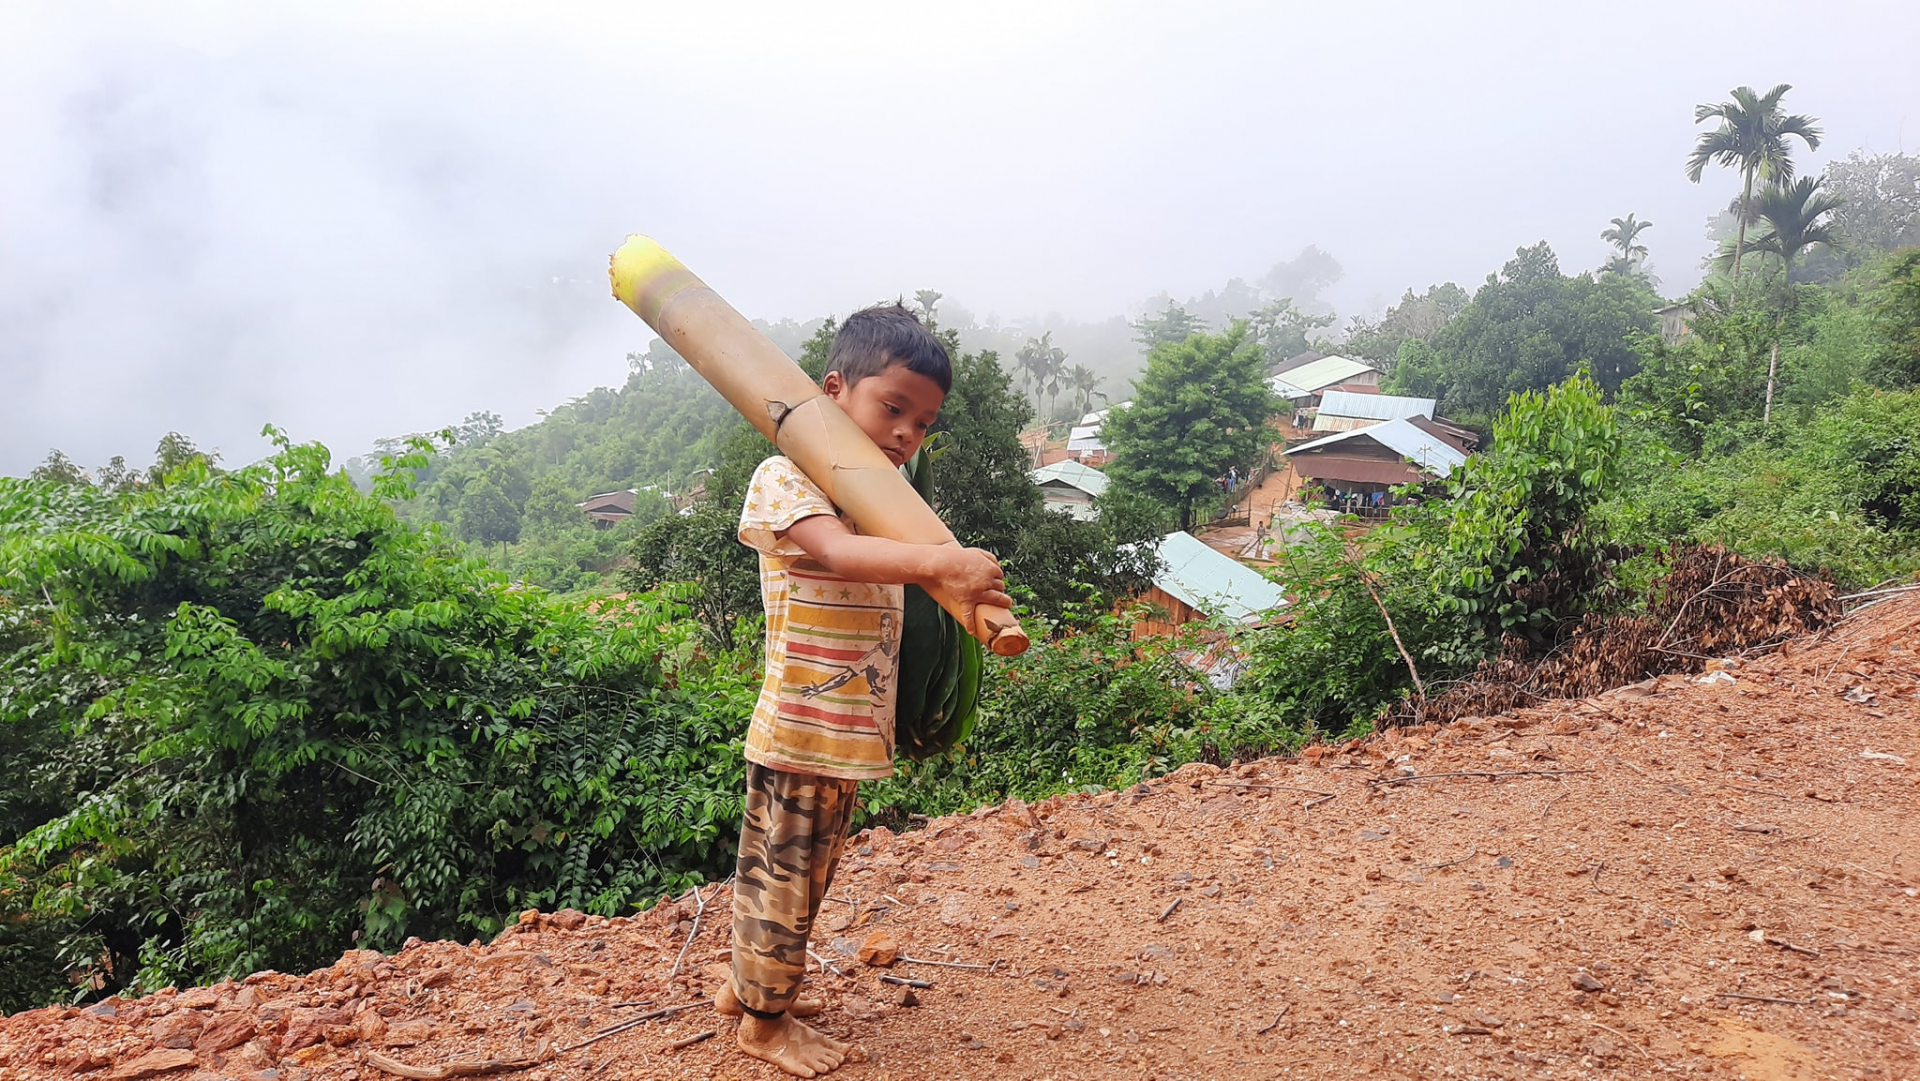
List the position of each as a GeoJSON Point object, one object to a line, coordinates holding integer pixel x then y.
{"type": "Point", "coordinates": [790, 1045]}
{"type": "Point", "coordinates": [728, 1004]}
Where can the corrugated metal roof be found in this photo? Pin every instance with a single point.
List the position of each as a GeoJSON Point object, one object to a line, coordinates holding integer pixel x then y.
{"type": "Point", "coordinates": [1318, 375]}
{"type": "Point", "coordinates": [1213, 583]}
{"type": "Point", "coordinates": [1342, 403]}
{"type": "Point", "coordinates": [1085, 437]}
{"type": "Point", "coordinates": [1084, 477]}
{"type": "Point", "coordinates": [1424, 449]}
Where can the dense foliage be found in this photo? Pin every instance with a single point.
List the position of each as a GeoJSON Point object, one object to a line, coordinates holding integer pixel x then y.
{"type": "Point", "coordinates": [251, 717]}
{"type": "Point", "coordinates": [1527, 328]}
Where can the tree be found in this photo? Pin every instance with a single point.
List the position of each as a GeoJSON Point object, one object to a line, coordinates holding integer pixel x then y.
{"type": "Point", "coordinates": [1171, 325]}
{"type": "Point", "coordinates": [1522, 553]}
{"type": "Point", "coordinates": [1623, 236]}
{"type": "Point", "coordinates": [1752, 137]}
{"type": "Point", "coordinates": [1896, 318]}
{"type": "Point", "coordinates": [551, 512]}
{"type": "Point", "coordinates": [1531, 327]}
{"type": "Point", "coordinates": [1200, 408]}
{"type": "Point", "coordinates": [1085, 383]}
{"type": "Point", "coordinates": [1879, 209]}
{"type": "Point", "coordinates": [478, 429]}
{"type": "Point", "coordinates": [1793, 214]}
{"type": "Point", "coordinates": [1282, 329]}
{"type": "Point", "coordinates": [173, 452]}
{"type": "Point", "coordinates": [1041, 364]}
{"type": "Point", "coordinates": [928, 299]}
{"type": "Point", "coordinates": [485, 515]}
{"type": "Point", "coordinates": [59, 469]}
{"type": "Point", "coordinates": [1415, 318]}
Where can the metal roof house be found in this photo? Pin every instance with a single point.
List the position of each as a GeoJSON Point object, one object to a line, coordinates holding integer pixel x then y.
{"type": "Point", "coordinates": [1197, 582]}
{"type": "Point", "coordinates": [1377, 457]}
{"type": "Point", "coordinates": [1311, 379]}
{"type": "Point", "coordinates": [1344, 410]}
{"type": "Point", "coordinates": [609, 508]}
{"type": "Point", "coordinates": [1070, 488]}
{"type": "Point", "coordinates": [1084, 442]}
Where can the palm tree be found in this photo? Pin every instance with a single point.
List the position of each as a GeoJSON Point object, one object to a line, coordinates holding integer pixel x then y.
{"type": "Point", "coordinates": [1622, 236]}
{"type": "Point", "coordinates": [928, 299]}
{"type": "Point", "coordinates": [1040, 364]}
{"type": "Point", "coordinates": [1752, 137]}
{"type": "Point", "coordinates": [1792, 213]}
{"type": "Point", "coordinates": [1084, 383]}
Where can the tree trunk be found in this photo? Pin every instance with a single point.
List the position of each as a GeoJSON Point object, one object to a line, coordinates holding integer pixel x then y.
{"type": "Point", "coordinates": [1740, 243]}
{"type": "Point", "coordinates": [1773, 366]}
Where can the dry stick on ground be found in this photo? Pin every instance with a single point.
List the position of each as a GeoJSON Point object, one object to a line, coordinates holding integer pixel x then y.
{"type": "Point", "coordinates": [1623, 1036]}
{"type": "Point", "coordinates": [824, 964]}
{"type": "Point", "coordinates": [1284, 787]}
{"type": "Point", "coordinates": [1760, 998]}
{"type": "Point", "coordinates": [1785, 945]}
{"type": "Point", "coordinates": [1312, 803]}
{"type": "Point", "coordinates": [1456, 863]}
{"type": "Point", "coordinates": [690, 1040]}
{"type": "Point", "coordinates": [615, 1030]}
{"type": "Point", "coordinates": [456, 1068]}
{"type": "Point", "coordinates": [1168, 911]}
{"type": "Point", "coordinates": [906, 982]}
{"type": "Point", "coordinates": [1275, 1021]}
{"type": "Point", "coordinates": [694, 931]}
{"type": "Point", "coordinates": [943, 964]}
{"type": "Point", "coordinates": [1479, 773]}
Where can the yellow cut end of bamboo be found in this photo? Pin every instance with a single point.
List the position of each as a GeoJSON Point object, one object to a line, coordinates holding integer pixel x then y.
{"type": "Point", "coordinates": [645, 276]}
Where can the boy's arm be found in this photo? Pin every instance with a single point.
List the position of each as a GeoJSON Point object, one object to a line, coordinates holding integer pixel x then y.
{"type": "Point", "coordinates": [972, 575]}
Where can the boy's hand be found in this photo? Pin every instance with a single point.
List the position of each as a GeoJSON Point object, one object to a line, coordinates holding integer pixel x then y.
{"type": "Point", "coordinates": [973, 577]}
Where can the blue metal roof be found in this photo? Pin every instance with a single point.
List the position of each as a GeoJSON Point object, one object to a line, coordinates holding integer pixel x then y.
{"type": "Point", "coordinates": [1213, 583]}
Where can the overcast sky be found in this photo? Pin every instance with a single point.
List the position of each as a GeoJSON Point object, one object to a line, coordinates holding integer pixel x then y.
{"type": "Point", "coordinates": [359, 218]}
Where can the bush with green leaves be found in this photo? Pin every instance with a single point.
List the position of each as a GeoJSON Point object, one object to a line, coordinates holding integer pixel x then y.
{"type": "Point", "coordinates": [1839, 493]}
{"type": "Point", "coordinates": [251, 717]}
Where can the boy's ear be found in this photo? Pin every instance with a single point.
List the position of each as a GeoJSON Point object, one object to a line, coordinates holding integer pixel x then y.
{"type": "Point", "coordinates": [834, 384]}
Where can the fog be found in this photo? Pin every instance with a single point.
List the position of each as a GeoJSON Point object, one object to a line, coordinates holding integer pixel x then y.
{"type": "Point", "coordinates": [366, 218]}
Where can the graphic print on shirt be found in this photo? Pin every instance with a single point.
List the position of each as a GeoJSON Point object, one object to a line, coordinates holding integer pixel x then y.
{"type": "Point", "coordinates": [877, 664]}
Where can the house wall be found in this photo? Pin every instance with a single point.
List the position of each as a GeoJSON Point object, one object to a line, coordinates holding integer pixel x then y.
{"type": "Point", "coordinates": [1177, 613]}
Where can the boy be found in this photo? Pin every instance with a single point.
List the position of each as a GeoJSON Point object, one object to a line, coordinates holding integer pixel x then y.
{"type": "Point", "coordinates": [824, 720]}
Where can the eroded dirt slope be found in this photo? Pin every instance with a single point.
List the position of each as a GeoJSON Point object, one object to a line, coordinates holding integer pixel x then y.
{"type": "Point", "coordinates": [1703, 875]}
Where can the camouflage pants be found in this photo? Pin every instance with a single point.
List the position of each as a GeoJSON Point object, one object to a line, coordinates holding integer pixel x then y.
{"type": "Point", "coordinates": [790, 842]}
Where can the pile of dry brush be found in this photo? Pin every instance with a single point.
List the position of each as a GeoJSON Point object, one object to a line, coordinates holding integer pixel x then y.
{"type": "Point", "coordinates": [1712, 603]}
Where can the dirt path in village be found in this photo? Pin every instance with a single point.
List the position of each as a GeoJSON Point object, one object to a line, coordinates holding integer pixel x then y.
{"type": "Point", "coordinates": [1711, 876]}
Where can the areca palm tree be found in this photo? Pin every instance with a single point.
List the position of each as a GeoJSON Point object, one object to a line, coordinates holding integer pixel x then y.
{"type": "Point", "coordinates": [1041, 363]}
{"type": "Point", "coordinates": [1624, 236]}
{"type": "Point", "coordinates": [1793, 213]}
{"type": "Point", "coordinates": [1752, 137]}
{"type": "Point", "coordinates": [1084, 383]}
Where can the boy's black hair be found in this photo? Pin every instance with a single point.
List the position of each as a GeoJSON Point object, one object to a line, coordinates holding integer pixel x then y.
{"type": "Point", "coordinates": [875, 339]}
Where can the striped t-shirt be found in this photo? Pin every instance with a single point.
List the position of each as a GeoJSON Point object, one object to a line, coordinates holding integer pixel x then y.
{"type": "Point", "coordinates": [833, 645]}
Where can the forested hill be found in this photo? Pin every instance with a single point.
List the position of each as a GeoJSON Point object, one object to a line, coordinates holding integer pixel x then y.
{"type": "Point", "coordinates": [662, 428]}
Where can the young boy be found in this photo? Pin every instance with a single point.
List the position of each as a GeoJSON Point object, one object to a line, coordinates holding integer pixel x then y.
{"type": "Point", "coordinates": [824, 721]}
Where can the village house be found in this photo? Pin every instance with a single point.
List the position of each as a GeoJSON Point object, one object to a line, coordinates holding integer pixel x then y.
{"type": "Point", "coordinates": [609, 509]}
{"type": "Point", "coordinates": [1070, 488]}
{"type": "Point", "coordinates": [1358, 468]}
{"type": "Point", "coordinates": [1084, 444]}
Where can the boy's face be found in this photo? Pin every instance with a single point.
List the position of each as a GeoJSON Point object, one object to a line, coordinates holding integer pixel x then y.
{"type": "Point", "coordinates": [895, 407]}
